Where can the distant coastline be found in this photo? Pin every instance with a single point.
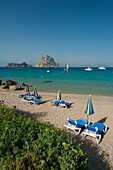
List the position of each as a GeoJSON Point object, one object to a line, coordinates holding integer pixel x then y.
{"type": "Point", "coordinates": [18, 65]}
{"type": "Point", "coordinates": [95, 67]}
{"type": "Point", "coordinates": [46, 61]}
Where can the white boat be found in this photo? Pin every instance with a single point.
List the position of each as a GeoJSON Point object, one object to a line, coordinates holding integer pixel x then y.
{"type": "Point", "coordinates": [67, 68]}
{"type": "Point", "coordinates": [48, 71]}
{"type": "Point", "coordinates": [102, 68]}
{"type": "Point", "coordinates": [88, 69]}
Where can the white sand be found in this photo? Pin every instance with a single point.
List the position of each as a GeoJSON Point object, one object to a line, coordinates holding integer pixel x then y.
{"type": "Point", "coordinates": [100, 156]}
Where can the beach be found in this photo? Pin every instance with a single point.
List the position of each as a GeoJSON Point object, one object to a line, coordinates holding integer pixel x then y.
{"type": "Point", "coordinates": [99, 156]}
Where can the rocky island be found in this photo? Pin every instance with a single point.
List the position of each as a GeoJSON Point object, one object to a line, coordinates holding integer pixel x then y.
{"type": "Point", "coordinates": [18, 65]}
{"type": "Point", "coordinates": [47, 61]}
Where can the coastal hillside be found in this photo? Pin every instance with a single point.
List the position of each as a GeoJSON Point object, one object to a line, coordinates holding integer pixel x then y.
{"type": "Point", "coordinates": [18, 65]}
{"type": "Point", "coordinates": [47, 61]}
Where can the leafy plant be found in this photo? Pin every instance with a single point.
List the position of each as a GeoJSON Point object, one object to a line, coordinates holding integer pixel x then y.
{"type": "Point", "coordinates": [30, 144]}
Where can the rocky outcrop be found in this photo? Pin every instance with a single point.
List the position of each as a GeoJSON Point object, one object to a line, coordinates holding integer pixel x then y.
{"type": "Point", "coordinates": [23, 84]}
{"type": "Point", "coordinates": [12, 85]}
{"type": "Point", "coordinates": [47, 61]}
{"type": "Point", "coordinates": [18, 65]}
{"type": "Point", "coordinates": [10, 82]}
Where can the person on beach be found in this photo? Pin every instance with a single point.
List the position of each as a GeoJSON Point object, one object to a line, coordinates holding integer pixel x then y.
{"type": "Point", "coordinates": [27, 89]}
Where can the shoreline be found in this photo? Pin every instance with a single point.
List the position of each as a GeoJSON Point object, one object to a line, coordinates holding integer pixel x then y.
{"type": "Point", "coordinates": [78, 93]}
{"type": "Point", "coordinates": [65, 92]}
{"type": "Point", "coordinates": [98, 155]}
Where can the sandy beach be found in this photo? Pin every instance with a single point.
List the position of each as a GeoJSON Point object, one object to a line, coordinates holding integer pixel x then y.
{"type": "Point", "coordinates": [100, 156]}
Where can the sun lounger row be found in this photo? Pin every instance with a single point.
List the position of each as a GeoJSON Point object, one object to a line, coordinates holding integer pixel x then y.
{"type": "Point", "coordinates": [30, 98]}
{"type": "Point", "coordinates": [96, 130]}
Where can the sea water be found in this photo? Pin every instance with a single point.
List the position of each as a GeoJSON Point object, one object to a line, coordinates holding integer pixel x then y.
{"type": "Point", "coordinates": [76, 80]}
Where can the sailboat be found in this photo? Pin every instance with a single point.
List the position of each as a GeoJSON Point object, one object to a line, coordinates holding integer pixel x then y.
{"type": "Point", "coordinates": [66, 68]}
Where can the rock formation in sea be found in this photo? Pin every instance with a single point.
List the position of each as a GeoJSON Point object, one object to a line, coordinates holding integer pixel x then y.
{"type": "Point", "coordinates": [47, 61]}
{"type": "Point", "coordinates": [18, 65]}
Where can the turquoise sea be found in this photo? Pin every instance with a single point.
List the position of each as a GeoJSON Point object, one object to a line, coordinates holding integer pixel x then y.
{"type": "Point", "coordinates": [76, 80]}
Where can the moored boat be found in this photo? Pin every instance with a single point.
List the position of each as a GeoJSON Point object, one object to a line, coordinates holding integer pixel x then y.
{"type": "Point", "coordinates": [88, 69]}
{"type": "Point", "coordinates": [102, 68]}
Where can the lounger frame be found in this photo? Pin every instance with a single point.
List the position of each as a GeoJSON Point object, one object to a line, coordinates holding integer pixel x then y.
{"type": "Point", "coordinates": [94, 134]}
{"type": "Point", "coordinates": [74, 128]}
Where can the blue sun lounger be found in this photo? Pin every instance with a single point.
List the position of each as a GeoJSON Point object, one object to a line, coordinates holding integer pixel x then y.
{"type": "Point", "coordinates": [37, 101]}
{"type": "Point", "coordinates": [32, 100]}
{"type": "Point", "coordinates": [26, 99]}
{"type": "Point", "coordinates": [60, 103]}
{"type": "Point", "coordinates": [32, 95]}
{"type": "Point", "coordinates": [77, 125]}
{"type": "Point", "coordinates": [64, 104]}
{"type": "Point", "coordinates": [95, 131]}
{"type": "Point", "coordinates": [56, 103]}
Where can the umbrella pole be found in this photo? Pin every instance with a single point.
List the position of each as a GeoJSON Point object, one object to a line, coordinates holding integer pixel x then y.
{"type": "Point", "coordinates": [87, 118]}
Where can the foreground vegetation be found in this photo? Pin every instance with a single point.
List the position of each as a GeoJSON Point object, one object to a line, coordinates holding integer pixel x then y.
{"type": "Point", "coordinates": [28, 144]}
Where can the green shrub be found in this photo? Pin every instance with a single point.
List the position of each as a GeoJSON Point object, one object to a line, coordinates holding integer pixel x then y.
{"type": "Point", "coordinates": [28, 144]}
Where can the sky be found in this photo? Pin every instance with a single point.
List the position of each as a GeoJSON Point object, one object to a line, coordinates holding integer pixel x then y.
{"type": "Point", "coordinates": [79, 32]}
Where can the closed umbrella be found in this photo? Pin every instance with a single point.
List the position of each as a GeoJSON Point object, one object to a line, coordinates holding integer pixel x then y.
{"type": "Point", "coordinates": [89, 108]}
{"type": "Point", "coordinates": [35, 93]}
{"type": "Point", "coordinates": [59, 95]}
